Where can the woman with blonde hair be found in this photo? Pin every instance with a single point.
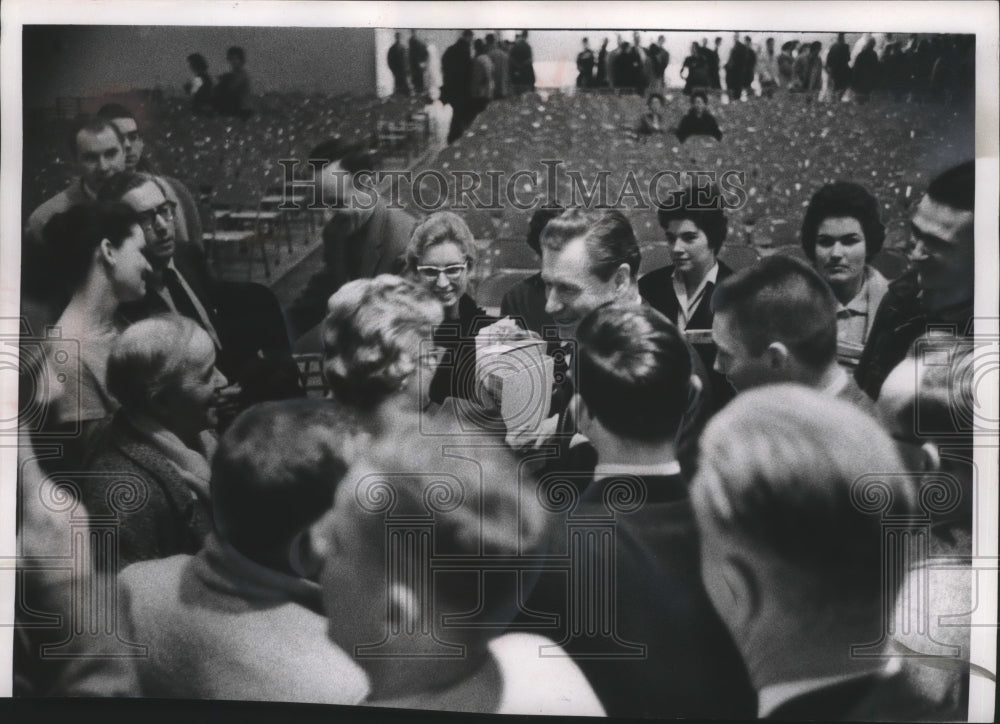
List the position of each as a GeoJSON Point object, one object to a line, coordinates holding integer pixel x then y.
{"type": "Point", "coordinates": [440, 256]}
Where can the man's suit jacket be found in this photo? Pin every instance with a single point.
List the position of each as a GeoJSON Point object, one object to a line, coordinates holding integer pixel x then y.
{"type": "Point", "coordinates": [690, 666]}
{"type": "Point", "coordinates": [221, 626]}
{"type": "Point", "coordinates": [352, 252]}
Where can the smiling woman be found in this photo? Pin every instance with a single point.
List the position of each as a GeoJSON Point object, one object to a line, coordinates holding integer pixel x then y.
{"type": "Point", "coordinates": [440, 257]}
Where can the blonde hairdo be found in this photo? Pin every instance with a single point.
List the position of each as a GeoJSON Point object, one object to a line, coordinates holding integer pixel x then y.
{"type": "Point", "coordinates": [148, 357]}
{"type": "Point", "coordinates": [438, 228]}
{"type": "Point", "coordinates": [372, 337]}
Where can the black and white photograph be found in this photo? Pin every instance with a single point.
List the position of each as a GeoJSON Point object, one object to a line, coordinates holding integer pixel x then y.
{"type": "Point", "coordinates": [394, 361]}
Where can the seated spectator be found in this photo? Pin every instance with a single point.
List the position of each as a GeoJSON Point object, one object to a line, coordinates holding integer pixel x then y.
{"type": "Point", "coordinates": [652, 120]}
{"type": "Point", "coordinates": [525, 301]}
{"type": "Point", "coordinates": [242, 619]}
{"type": "Point", "coordinates": [695, 227]}
{"type": "Point", "coordinates": [232, 93]}
{"type": "Point", "coordinates": [698, 121]}
{"type": "Point", "coordinates": [440, 256]}
{"type": "Point", "coordinates": [379, 358]}
{"type": "Point", "coordinates": [792, 562]}
{"type": "Point", "coordinates": [98, 149]}
{"type": "Point", "coordinates": [636, 384]}
{"type": "Point", "coordinates": [939, 289]}
{"type": "Point", "coordinates": [188, 220]}
{"type": "Point", "coordinates": [158, 448]}
{"type": "Point", "coordinates": [243, 320]}
{"type": "Point", "coordinates": [777, 322]}
{"type": "Point", "coordinates": [363, 239]}
{"type": "Point", "coordinates": [411, 637]}
{"type": "Point", "coordinates": [200, 86]}
{"type": "Point", "coordinates": [96, 254]}
{"type": "Point", "coordinates": [841, 232]}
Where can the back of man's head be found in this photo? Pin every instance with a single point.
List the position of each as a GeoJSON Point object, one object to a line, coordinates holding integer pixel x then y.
{"type": "Point", "coordinates": [799, 485]}
{"type": "Point", "coordinates": [634, 372]}
{"type": "Point", "coordinates": [276, 471]}
{"type": "Point", "coordinates": [781, 299]}
{"type": "Point", "coordinates": [111, 111]}
{"type": "Point", "coordinates": [607, 233]}
{"type": "Point", "coordinates": [956, 187]}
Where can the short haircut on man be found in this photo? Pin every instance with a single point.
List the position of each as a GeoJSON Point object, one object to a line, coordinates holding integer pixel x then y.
{"type": "Point", "coordinates": [844, 199]}
{"type": "Point", "coordinates": [956, 187]}
{"type": "Point", "coordinates": [354, 158]}
{"type": "Point", "coordinates": [121, 183]}
{"type": "Point", "coordinates": [608, 236]}
{"type": "Point", "coordinates": [781, 479]}
{"type": "Point", "coordinates": [276, 471]}
{"type": "Point", "coordinates": [782, 299]}
{"type": "Point", "coordinates": [72, 236]}
{"type": "Point", "coordinates": [634, 371]}
{"type": "Point", "coordinates": [701, 205]}
{"type": "Point", "coordinates": [111, 111]}
{"type": "Point", "coordinates": [236, 51]}
{"type": "Point", "coordinates": [93, 126]}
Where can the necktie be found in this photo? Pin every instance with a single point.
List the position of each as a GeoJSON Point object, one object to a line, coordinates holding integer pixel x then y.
{"type": "Point", "coordinates": [180, 296]}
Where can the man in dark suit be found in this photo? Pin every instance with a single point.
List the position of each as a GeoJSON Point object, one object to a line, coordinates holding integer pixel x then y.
{"type": "Point", "coordinates": [456, 79]}
{"type": "Point", "coordinates": [363, 239]}
{"type": "Point", "coordinates": [243, 320]}
{"type": "Point", "coordinates": [777, 322]}
{"type": "Point", "coordinates": [695, 227]}
{"type": "Point", "coordinates": [652, 645]}
{"type": "Point", "coordinates": [793, 553]}
{"type": "Point", "coordinates": [939, 290]}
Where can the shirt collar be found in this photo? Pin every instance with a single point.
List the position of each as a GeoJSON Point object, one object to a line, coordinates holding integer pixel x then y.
{"type": "Point", "coordinates": [770, 697]}
{"type": "Point", "coordinates": [838, 383]}
{"type": "Point", "coordinates": [671, 467]}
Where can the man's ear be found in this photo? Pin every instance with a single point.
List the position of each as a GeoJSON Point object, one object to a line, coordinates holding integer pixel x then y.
{"type": "Point", "coordinates": [930, 457]}
{"type": "Point", "coordinates": [695, 389]}
{"type": "Point", "coordinates": [106, 252]}
{"type": "Point", "coordinates": [622, 277]}
{"type": "Point", "coordinates": [777, 356]}
{"type": "Point", "coordinates": [404, 606]}
{"type": "Point", "coordinates": [744, 587]}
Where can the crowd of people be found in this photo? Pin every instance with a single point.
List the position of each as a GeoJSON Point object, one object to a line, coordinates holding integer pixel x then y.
{"type": "Point", "coordinates": [670, 486]}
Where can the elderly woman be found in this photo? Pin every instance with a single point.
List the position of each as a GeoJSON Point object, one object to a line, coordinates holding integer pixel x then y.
{"type": "Point", "coordinates": [151, 466]}
{"type": "Point", "coordinates": [440, 256]}
{"type": "Point", "coordinates": [95, 255]}
{"type": "Point", "coordinates": [841, 232]}
{"type": "Point", "coordinates": [379, 353]}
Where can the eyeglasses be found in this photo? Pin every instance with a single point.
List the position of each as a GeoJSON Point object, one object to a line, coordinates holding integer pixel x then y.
{"type": "Point", "coordinates": [433, 273]}
{"type": "Point", "coordinates": [165, 211]}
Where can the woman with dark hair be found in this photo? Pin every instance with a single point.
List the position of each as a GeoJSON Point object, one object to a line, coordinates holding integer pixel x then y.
{"type": "Point", "coordinates": [200, 86]}
{"type": "Point", "coordinates": [95, 257]}
{"type": "Point", "coordinates": [440, 256]}
{"type": "Point", "coordinates": [841, 232]}
{"type": "Point", "coordinates": [652, 120]}
{"type": "Point", "coordinates": [698, 121]}
{"type": "Point", "coordinates": [695, 227]}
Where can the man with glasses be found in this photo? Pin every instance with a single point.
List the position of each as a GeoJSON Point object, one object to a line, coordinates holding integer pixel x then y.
{"type": "Point", "coordinates": [244, 320]}
{"type": "Point", "coordinates": [188, 221]}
